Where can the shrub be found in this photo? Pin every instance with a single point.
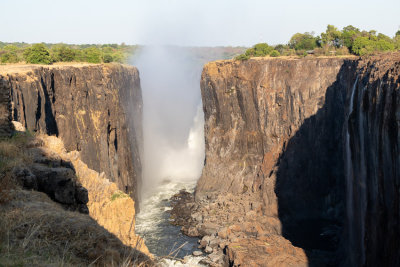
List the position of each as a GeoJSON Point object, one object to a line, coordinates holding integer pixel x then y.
{"type": "Point", "coordinates": [10, 55]}
{"type": "Point", "coordinates": [362, 46]}
{"type": "Point", "coordinates": [63, 53]}
{"type": "Point", "coordinates": [37, 54]}
{"type": "Point", "coordinates": [92, 55]}
{"type": "Point", "coordinates": [118, 194]}
{"type": "Point", "coordinates": [107, 58]}
{"type": "Point", "coordinates": [242, 57]}
{"type": "Point", "coordinates": [275, 53]}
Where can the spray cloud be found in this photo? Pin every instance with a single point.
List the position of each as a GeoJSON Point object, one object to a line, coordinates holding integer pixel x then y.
{"type": "Point", "coordinates": [172, 115]}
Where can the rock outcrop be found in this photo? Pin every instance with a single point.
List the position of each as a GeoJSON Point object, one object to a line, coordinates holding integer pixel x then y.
{"type": "Point", "coordinates": [94, 109]}
{"type": "Point", "coordinates": [275, 132]}
{"type": "Point", "coordinates": [106, 204]}
{"type": "Point", "coordinates": [5, 106]}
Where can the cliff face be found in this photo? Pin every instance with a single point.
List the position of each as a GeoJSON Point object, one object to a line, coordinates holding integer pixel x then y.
{"type": "Point", "coordinates": [95, 112]}
{"type": "Point", "coordinates": [253, 109]}
{"type": "Point", "coordinates": [373, 164]}
{"type": "Point", "coordinates": [94, 109]}
{"type": "Point", "coordinates": [276, 130]}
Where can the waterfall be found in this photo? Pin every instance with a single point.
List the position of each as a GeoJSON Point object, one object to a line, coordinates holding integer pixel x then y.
{"type": "Point", "coordinates": [349, 174]}
{"type": "Point", "coordinates": [173, 127]}
{"type": "Point", "coordinates": [362, 175]}
{"type": "Point", "coordinates": [172, 116]}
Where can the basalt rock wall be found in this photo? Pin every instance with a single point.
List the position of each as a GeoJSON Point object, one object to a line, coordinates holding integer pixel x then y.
{"type": "Point", "coordinates": [373, 164]}
{"type": "Point", "coordinates": [94, 109]}
{"type": "Point", "coordinates": [277, 128]}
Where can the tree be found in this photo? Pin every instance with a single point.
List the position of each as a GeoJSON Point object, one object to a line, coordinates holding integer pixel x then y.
{"type": "Point", "coordinates": [362, 46]}
{"type": "Point", "coordinates": [62, 53]}
{"type": "Point", "coordinates": [37, 54]}
{"type": "Point", "coordinates": [349, 34]}
{"type": "Point", "coordinates": [303, 41]}
{"type": "Point", "coordinates": [275, 53]}
{"type": "Point", "coordinates": [107, 58]}
{"type": "Point", "coordinates": [10, 54]}
{"type": "Point", "coordinates": [281, 48]}
{"type": "Point", "coordinates": [396, 40]}
{"type": "Point", "coordinates": [259, 50]}
{"type": "Point", "coordinates": [384, 45]}
{"type": "Point", "coordinates": [242, 57]}
{"type": "Point", "coordinates": [92, 55]}
{"type": "Point", "coordinates": [332, 37]}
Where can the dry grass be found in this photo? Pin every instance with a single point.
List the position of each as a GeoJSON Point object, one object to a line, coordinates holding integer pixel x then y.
{"type": "Point", "coordinates": [35, 231]}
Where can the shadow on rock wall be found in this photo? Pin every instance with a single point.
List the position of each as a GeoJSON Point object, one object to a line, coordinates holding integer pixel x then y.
{"type": "Point", "coordinates": [310, 183]}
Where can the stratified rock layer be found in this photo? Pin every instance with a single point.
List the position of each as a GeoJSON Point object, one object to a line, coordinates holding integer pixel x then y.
{"type": "Point", "coordinates": [275, 132]}
{"type": "Point", "coordinates": [94, 109]}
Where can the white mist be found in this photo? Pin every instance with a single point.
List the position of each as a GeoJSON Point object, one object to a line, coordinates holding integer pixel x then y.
{"type": "Point", "coordinates": [172, 116]}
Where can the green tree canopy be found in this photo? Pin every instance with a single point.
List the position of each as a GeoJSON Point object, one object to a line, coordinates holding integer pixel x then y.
{"type": "Point", "coordinates": [10, 54]}
{"type": "Point", "coordinates": [107, 58]}
{"type": "Point", "coordinates": [62, 53]}
{"type": "Point", "coordinates": [37, 54]}
{"type": "Point", "coordinates": [92, 55]}
{"type": "Point", "coordinates": [332, 36]}
{"type": "Point", "coordinates": [349, 34]}
{"type": "Point", "coordinates": [274, 53]}
{"type": "Point", "coordinates": [362, 46]}
{"type": "Point", "coordinates": [303, 41]}
{"type": "Point", "coordinates": [259, 50]}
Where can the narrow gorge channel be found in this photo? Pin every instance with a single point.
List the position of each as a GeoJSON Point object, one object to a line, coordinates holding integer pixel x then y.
{"type": "Point", "coordinates": [173, 149]}
{"type": "Point", "coordinates": [285, 161]}
{"type": "Point", "coordinates": [301, 161]}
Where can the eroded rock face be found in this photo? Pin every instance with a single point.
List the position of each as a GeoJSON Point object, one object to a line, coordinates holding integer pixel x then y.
{"type": "Point", "coordinates": [108, 206]}
{"type": "Point", "coordinates": [94, 109]}
{"type": "Point", "coordinates": [373, 178]}
{"type": "Point", "coordinates": [5, 108]}
{"type": "Point", "coordinates": [254, 108]}
{"type": "Point", "coordinates": [275, 132]}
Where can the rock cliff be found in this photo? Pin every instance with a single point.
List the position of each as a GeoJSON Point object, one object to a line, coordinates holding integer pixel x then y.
{"type": "Point", "coordinates": [373, 163]}
{"type": "Point", "coordinates": [275, 132]}
{"type": "Point", "coordinates": [94, 109]}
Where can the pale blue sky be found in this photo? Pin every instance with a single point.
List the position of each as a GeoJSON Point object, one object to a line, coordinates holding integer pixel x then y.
{"type": "Point", "coordinates": [187, 22]}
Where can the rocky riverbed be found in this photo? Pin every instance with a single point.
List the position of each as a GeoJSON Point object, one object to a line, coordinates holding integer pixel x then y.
{"type": "Point", "coordinates": [232, 228]}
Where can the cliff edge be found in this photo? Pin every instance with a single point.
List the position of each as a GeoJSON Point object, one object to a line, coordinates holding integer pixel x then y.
{"type": "Point", "coordinates": [306, 149]}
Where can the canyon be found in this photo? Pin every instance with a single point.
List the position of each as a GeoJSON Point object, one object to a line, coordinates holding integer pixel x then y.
{"type": "Point", "coordinates": [300, 150]}
{"type": "Point", "coordinates": [301, 164]}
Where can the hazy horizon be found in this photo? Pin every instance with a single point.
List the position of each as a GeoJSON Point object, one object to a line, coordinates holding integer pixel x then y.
{"type": "Point", "coordinates": [186, 22]}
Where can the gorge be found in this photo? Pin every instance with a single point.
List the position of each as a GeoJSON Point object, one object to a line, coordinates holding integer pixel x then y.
{"type": "Point", "coordinates": [301, 163]}
{"type": "Point", "coordinates": [276, 132]}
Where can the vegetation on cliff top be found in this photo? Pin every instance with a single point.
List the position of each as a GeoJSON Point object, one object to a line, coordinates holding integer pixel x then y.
{"type": "Point", "coordinates": [50, 53]}
{"type": "Point", "coordinates": [45, 53]}
{"type": "Point", "coordinates": [349, 41]}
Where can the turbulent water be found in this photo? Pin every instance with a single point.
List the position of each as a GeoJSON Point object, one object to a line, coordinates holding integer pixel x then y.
{"type": "Point", "coordinates": [161, 237]}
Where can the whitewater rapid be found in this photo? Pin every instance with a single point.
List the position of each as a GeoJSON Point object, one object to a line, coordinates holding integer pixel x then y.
{"type": "Point", "coordinates": [163, 239]}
